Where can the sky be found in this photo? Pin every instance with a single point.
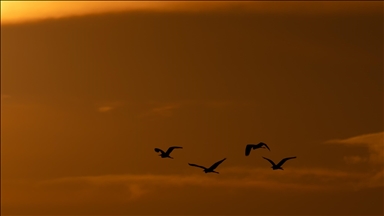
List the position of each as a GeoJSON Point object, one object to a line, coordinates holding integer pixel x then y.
{"type": "Point", "coordinates": [89, 89]}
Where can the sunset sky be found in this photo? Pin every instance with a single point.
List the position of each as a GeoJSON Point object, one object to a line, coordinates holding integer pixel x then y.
{"type": "Point", "coordinates": [89, 89]}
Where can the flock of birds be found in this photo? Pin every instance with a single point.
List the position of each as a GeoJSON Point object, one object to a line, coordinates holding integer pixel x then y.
{"type": "Point", "coordinates": [211, 169]}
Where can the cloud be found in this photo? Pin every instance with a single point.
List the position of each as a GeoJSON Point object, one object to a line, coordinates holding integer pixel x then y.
{"type": "Point", "coordinates": [156, 183]}
{"type": "Point", "coordinates": [307, 178]}
{"type": "Point", "coordinates": [105, 108]}
{"type": "Point", "coordinates": [373, 141]}
{"type": "Point", "coordinates": [165, 110]}
{"type": "Point", "coordinates": [21, 11]}
{"type": "Point", "coordinates": [314, 179]}
{"type": "Point", "coordinates": [354, 159]}
{"type": "Point", "coordinates": [168, 109]}
{"type": "Point", "coordinates": [108, 106]}
{"type": "Point", "coordinates": [133, 188]}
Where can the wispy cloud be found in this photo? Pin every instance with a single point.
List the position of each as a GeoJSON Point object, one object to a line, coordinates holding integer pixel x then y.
{"type": "Point", "coordinates": [235, 177]}
{"type": "Point", "coordinates": [373, 141]}
{"type": "Point", "coordinates": [21, 11]}
{"type": "Point", "coordinates": [108, 106]}
{"type": "Point", "coordinates": [152, 183]}
{"type": "Point", "coordinates": [309, 178]}
{"type": "Point", "coordinates": [162, 109]}
{"type": "Point", "coordinates": [105, 108]}
{"type": "Point", "coordinates": [168, 109]}
{"type": "Point", "coordinates": [165, 110]}
{"type": "Point", "coordinates": [127, 188]}
{"type": "Point", "coordinates": [354, 159]}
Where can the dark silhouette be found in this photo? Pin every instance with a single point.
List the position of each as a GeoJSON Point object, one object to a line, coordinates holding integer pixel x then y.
{"type": "Point", "coordinates": [210, 169]}
{"type": "Point", "coordinates": [249, 147]}
{"type": "Point", "coordinates": [166, 154]}
{"type": "Point", "coordinates": [278, 166]}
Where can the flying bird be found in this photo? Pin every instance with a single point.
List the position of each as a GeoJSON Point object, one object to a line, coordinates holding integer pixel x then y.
{"type": "Point", "coordinates": [249, 147]}
{"type": "Point", "coordinates": [210, 169]}
{"type": "Point", "coordinates": [166, 154]}
{"type": "Point", "coordinates": [278, 166]}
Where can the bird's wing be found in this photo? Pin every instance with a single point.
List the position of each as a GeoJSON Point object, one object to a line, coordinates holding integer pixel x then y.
{"type": "Point", "coordinates": [159, 150]}
{"type": "Point", "coordinates": [195, 165]}
{"type": "Point", "coordinates": [170, 149]}
{"type": "Point", "coordinates": [216, 164]}
{"type": "Point", "coordinates": [248, 149]}
{"type": "Point", "coordinates": [270, 161]}
{"type": "Point", "coordinates": [266, 146]}
{"type": "Point", "coordinates": [283, 161]}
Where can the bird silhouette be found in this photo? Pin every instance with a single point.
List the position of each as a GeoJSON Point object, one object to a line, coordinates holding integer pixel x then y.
{"type": "Point", "coordinates": [166, 154]}
{"type": "Point", "coordinates": [210, 169]}
{"type": "Point", "coordinates": [278, 166]}
{"type": "Point", "coordinates": [249, 147]}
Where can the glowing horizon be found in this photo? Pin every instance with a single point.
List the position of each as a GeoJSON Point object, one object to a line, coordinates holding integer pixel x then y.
{"type": "Point", "coordinates": [25, 11]}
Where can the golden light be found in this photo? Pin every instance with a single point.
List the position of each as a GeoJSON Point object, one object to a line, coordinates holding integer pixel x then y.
{"type": "Point", "coordinates": [21, 11]}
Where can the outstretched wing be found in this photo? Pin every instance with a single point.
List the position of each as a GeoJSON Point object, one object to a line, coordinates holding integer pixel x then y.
{"type": "Point", "coordinates": [195, 165]}
{"type": "Point", "coordinates": [170, 149]}
{"type": "Point", "coordinates": [283, 161]}
{"type": "Point", "coordinates": [248, 149]}
{"type": "Point", "coordinates": [270, 161]}
{"type": "Point", "coordinates": [216, 164]}
{"type": "Point", "coordinates": [159, 150]}
{"type": "Point", "coordinates": [263, 144]}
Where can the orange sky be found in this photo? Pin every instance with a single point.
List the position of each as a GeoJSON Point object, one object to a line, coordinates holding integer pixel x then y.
{"type": "Point", "coordinates": [88, 95]}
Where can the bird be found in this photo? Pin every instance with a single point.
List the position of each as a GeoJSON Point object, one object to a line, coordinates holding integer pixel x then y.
{"type": "Point", "coordinates": [278, 166]}
{"type": "Point", "coordinates": [210, 169]}
{"type": "Point", "coordinates": [166, 154]}
{"type": "Point", "coordinates": [249, 147]}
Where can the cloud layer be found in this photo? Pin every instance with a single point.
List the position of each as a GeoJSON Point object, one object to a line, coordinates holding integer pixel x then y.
{"type": "Point", "coordinates": [374, 142]}
{"type": "Point", "coordinates": [16, 11]}
{"type": "Point", "coordinates": [130, 188]}
{"type": "Point", "coordinates": [298, 179]}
